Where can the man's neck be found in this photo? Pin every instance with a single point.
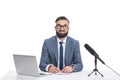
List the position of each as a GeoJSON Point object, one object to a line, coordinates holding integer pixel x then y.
{"type": "Point", "coordinates": [62, 39]}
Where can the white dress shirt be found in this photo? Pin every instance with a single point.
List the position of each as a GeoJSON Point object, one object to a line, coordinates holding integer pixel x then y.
{"type": "Point", "coordinates": [63, 44]}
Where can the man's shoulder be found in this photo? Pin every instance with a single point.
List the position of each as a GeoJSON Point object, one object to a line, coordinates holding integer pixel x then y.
{"type": "Point", "coordinates": [72, 39]}
{"type": "Point", "coordinates": [51, 38]}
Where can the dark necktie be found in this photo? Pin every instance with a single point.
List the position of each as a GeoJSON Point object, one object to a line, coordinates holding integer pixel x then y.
{"type": "Point", "coordinates": [61, 56]}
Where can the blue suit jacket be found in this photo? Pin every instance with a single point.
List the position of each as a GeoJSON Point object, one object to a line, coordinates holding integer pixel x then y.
{"type": "Point", "coordinates": [50, 53]}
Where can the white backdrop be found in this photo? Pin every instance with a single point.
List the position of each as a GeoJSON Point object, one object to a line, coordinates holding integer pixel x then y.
{"type": "Point", "coordinates": [25, 24]}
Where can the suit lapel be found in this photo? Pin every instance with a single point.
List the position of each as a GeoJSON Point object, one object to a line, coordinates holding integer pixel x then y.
{"type": "Point", "coordinates": [55, 49]}
{"type": "Point", "coordinates": [68, 47]}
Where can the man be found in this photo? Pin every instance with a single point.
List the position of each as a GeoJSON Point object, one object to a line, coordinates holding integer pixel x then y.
{"type": "Point", "coordinates": [61, 53]}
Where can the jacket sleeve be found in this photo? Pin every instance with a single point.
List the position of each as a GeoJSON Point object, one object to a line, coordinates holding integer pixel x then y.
{"type": "Point", "coordinates": [77, 61]}
{"type": "Point", "coordinates": [44, 57]}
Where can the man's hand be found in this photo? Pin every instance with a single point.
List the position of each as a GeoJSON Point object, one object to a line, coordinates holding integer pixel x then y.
{"type": "Point", "coordinates": [53, 69]}
{"type": "Point", "coordinates": [67, 69]}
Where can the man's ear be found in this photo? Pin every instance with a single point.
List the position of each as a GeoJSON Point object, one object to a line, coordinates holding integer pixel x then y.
{"type": "Point", "coordinates": [55, 27]}
{"type": "Point", "coordinates": [68, 28]}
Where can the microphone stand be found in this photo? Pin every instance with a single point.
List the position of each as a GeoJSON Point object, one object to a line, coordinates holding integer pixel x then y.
{"type": "Point", "coordinates": [95, 70]}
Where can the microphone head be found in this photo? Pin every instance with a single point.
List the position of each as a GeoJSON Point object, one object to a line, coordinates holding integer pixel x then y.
{"type": "Point", "coordinates": [93, 52]}
{"type": "Point", "coordinates": [89, 49]}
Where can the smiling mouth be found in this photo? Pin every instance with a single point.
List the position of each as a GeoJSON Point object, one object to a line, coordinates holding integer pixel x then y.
{"type": "Point", "coordinates": [61, 31]}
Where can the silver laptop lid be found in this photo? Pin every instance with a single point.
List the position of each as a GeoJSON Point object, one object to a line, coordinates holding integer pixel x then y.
{"type": "Point", "coordinates": [26, 65]}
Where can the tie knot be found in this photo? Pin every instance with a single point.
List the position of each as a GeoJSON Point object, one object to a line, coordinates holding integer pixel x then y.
{"type": "Point", "coordinates": [60, 43]}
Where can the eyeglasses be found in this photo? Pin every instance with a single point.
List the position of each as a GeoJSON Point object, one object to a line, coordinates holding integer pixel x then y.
{"type": "Point", "coordinates": [60, 26]}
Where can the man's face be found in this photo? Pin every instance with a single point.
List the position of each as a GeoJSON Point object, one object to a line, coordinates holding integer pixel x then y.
{"type": "Point", "coordinates": [62, 28]}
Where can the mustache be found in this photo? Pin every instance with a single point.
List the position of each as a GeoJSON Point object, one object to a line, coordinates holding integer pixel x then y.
{"type": "Point", "coordinates": [61, 31]}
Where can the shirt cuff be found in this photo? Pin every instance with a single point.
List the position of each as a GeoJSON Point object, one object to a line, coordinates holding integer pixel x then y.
{"type": "Point", "coordinates": [48, 67]}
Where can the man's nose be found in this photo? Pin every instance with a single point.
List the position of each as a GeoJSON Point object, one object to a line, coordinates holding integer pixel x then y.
{"type": "Point", "coordinates": [62, 28]}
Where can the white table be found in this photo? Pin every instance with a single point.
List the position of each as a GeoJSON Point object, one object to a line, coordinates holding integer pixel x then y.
{"type": "Point", "coordinates": [83, 75]}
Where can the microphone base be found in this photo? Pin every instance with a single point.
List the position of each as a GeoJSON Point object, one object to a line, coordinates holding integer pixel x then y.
{"type": "Point", "coordinates": [96, 71]}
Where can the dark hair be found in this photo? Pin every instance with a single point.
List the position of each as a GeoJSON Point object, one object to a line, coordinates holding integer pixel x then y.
{"type": "Point", "coordinates": [61, 18]}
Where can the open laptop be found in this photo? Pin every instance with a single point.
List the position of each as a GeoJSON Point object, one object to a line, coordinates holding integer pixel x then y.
{"type": "Point", "coordinates": [27, 65]}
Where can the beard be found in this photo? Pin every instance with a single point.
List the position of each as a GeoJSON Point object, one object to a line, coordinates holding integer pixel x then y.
{"type": "Point", "coordinates": [59, 35]}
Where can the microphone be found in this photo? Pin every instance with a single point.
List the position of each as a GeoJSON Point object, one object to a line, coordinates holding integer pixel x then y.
{"type": "Point", "coordinates": [97, 57]}
{"type": "Point", "coordinates": [93, 53]}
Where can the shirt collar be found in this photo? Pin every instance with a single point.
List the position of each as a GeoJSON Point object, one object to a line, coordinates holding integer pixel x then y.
{"type": "Point", "coordinates": [64, 41]}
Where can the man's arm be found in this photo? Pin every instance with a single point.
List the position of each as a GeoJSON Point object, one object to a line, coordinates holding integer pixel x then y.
{"type": "Point", "coordinates": [77, 60]}
{"type": "Point", "coordinates": [45, 61]}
